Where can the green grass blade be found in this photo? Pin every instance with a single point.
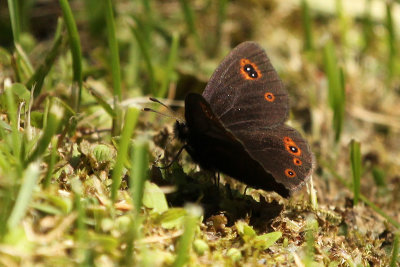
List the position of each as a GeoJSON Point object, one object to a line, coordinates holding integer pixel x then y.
{"type": "Point", "coordinates": [343, 21]}
{"type": "Point", "coordinates": [190, 21]}
{"type": "Point", "coordinates": [221, 16]}
{"type": "Point", "coordinates": [54, 118]}
{"type": "Point", "coordinates": [147, 7]}
{"type": "Point", "coordinates": [307, 26]}
{"type": "Point", "coordinates": [30, 177]}
{"type": "Point", "coordinates": [52, 162]}
{"type": "Point", "coordinates": [395, 251]}
{"type": "Point", "coordinates": [331, 72]}
{"type": "Point", "coordinates": [185, 242]}
{"type": "Point", "coordinates": [13, 117]}
{"type": "Point", "coordinates": [130, 122]}
{"type": "Point", "coordinates": [46, 110]}
{"type": "Point", "coordinates": [355, 159]}
{"type": "Point", "coordinates": [131, 70]}
{"type": "Point", "coordinates": [76, 186]}
{"type": "Point", "coordinates": [379, 211]}
{"type": "Point", "coordinates": [367, 26]}
{"type": "Point", "coordinates": [137, 179]}
{"type": "Point", "coordinates": [173, 53]}
{"type": "Point", "coordinates": [147, 59]}
{"type": "Point", "coordinates": [313, 194]}
{"type": "Point", "coordinates": [26, 65]}
{"type": "Point", "coordinates": [41, 72]}
{"type": "Point", "coordinates": [114, 52]}
{"type": "Point", "coordinates": [147, 19]}
{"type": "Point", "coordinates": [102, 102]}
{"type": "Point", "coordinates": [13, 7]}
{"type": "Point", "coordinates": [311, 232]}
{"type": "Point", "coordinates": [80, 236]}
{"type": "Point", "coordinates": [379, 176]}
{"type": "Point", "coordinates": [139, 172]}
{"type": "Point", "coordinates": [336, 92]}
{"type": "Point", "coordinates": [391, 39]}
{"type": "Point", "coordinates": [115, 66]}
{"type": "Point", "coordinates": [75, 46]}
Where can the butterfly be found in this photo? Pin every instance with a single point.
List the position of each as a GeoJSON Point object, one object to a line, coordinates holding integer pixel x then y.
{"type": "Point", "coordinates": [237, 126]}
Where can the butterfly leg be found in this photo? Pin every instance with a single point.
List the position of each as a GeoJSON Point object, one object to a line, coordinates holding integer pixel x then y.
{"type": "Point", "coordinates": [245, 189]}
{"type": "Point", "coordinates": [217, 179]}
{"type": "Point", "coordinates": [174, 159]}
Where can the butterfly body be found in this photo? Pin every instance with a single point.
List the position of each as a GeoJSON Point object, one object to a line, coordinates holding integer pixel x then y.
{"type": "Point", "coordinates": [216, 149]}
{"type": "Point", "coordinates": [237, 125]}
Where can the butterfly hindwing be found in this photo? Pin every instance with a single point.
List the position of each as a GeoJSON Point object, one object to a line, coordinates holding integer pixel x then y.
{"type": "Point", "coordinates": [245, 91]}
{"type": "Point", "coordinates": [282, 151]}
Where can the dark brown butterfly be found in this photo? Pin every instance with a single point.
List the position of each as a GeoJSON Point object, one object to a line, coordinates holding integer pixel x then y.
{"type": "Point", "coordinates": [237, 125]}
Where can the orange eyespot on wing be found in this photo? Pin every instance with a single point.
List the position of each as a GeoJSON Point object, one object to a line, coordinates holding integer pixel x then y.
{"type": "Point", "coordinates": [290, 173]}
{"type": "Point", "coordinates": [270, 97]}
{"type": "Point", "coordinates": [249, 70]}
{"type": "Point", "coordinates": [291, 146]}
{"type": "Point", "coordinates": [297, 162]}
{"type": "Point", "coordinates": [287, 140]}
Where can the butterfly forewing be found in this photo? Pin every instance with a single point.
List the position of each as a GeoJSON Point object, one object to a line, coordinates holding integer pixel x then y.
{"type": "Point", "coordinates": [246, 92]}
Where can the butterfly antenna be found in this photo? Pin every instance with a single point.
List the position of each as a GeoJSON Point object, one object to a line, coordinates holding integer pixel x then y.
{"type": "Point", "coordinates": [159, 102]}
{"type": "Point", "coordinates": [155, 111]}
{"type": "Point", "coordinates": [172, 113]}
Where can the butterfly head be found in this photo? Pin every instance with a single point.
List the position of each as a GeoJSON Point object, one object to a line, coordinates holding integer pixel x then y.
{"type": "Point", "coordinates": [181, 131]}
